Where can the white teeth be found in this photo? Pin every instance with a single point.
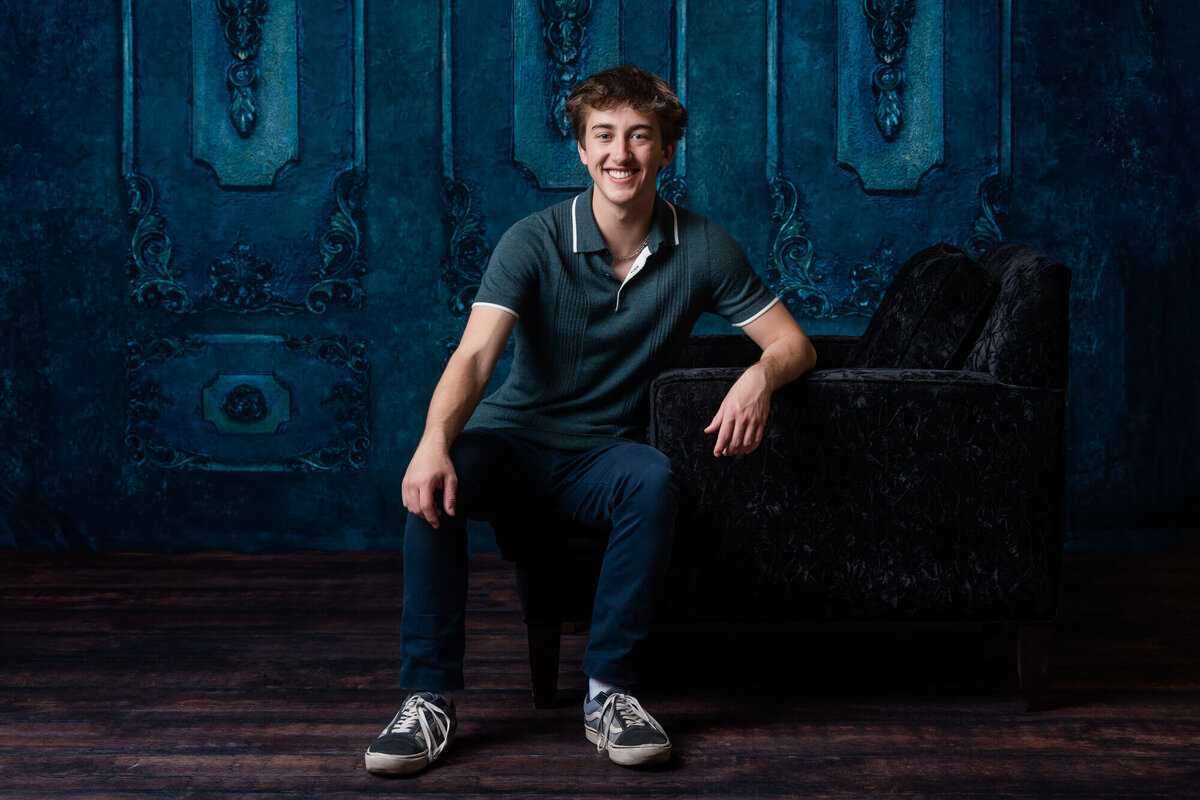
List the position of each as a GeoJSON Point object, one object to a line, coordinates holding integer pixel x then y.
{"type": "Point", "coordinates": [619, 174]}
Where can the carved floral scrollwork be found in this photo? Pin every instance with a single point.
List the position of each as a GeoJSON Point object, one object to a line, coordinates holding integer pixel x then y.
{"type": "Point", "coordinates": [339, 278]}
{"type": "Point", "coordinates": [149, 258]}
{"type": "Point", "coordinates": [789, 267]}
{"type": "Point", "coordinates": [986, 230]}
{"type": "Point", "coordinates": [245, 404]}
{"type": "Point", "coordinates": [791, 274]}
{"type": "Point", "coordinates": [350, 401]}
{"type": "Point", "coordinates": [242, 22]}
{"type": "Point", "coordinates": [673, 188]}
{"type": "Point", "coordinates": [890, 22]}
{"type": "Point", "coordinates": [466, 258]}
{"type": "Point", "coordinates": [145, 402]}
{"type": "Point", "coordinates": [242, 282]}
{"type": "Point", "coordinates": [563, 30]}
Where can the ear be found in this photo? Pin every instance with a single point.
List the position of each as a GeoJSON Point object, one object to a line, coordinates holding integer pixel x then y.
{"type": "Point", "coordinates": [669, 153]}
{"type": "Point", "coordinates": [582, 152]}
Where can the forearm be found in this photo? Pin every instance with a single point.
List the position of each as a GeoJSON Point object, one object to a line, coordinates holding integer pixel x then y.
{"type": "Point", "coordinates": [784, 360]}
{"type": "Point", "coordinates": [455, 398]}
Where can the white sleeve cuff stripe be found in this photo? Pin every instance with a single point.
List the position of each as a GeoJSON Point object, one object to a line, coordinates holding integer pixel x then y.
{"type": "Point", "coordinates": [764, 310]}
{"type": "Point", "coordinates": [496, 305]}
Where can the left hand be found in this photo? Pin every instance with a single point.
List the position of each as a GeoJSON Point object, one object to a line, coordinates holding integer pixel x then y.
{"type": "Point", "coordinates": [740, 420]}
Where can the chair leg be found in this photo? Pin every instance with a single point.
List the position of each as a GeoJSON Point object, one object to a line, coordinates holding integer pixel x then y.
{"type": "Point", "coordinates": [544, 642]}
{"type": "Point", "coordinates": [1033, 660]}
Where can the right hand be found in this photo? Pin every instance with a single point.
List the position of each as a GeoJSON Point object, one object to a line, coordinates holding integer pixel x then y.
{"type": "Point", "coordinates": [429, 472]}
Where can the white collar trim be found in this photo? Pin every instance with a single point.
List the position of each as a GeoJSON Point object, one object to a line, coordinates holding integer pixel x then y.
{"type": "Point", "coordinates": [575, 224]}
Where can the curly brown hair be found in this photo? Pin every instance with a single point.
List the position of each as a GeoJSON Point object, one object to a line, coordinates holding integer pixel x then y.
{"type": "Point", "coordinates": [632, 86]}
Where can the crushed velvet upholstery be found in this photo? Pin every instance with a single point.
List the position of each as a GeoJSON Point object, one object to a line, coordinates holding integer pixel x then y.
{"type": "Point", "coordinates": [878, 493]}
{"type": "Point", "coordinates": [929, 313]}
{"type": "Point", "coordinates": [1024, 340]}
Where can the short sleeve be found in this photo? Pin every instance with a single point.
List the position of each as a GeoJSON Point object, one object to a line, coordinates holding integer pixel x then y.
{"type": "Point", "coordinates": [510, 280]}
{"type": "Point", "coordinates": [739, 295]}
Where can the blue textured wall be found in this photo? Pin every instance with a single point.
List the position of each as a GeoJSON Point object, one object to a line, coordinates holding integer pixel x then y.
{"type": "Point", "coordinates": [1104, 154]}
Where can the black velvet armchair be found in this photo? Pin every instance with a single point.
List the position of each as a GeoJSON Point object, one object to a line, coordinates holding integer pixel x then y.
{"type": "Point", "coordinates": [916, 474]}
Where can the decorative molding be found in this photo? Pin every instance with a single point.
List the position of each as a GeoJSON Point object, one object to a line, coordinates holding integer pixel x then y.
{"type": "Point", "coordinates": [789, 267]}
{"type": "Point", "coordinates": [995, 191]}
{"type": "Point", "coordinates": [148, 262]}
{"type": "Point", "coordinates": [904, 53]}
{"type": "Point", "coordinates": [349, 401]}
{"type": "Point", "coordinates": [889, 22]}
{"type": "Point", "coordinates": [146, 401]}
{"type": "Point", "coordinates": [468, 251]}
{"type": "Point", "coordinates": [241, 282]}
{"type": "Point", "coordinates": [242, 22]}
{"type": "Point", "coordinates": [672, 186]}
{"type": "Point", "coordinates": [555, 43]}
{"type": "Point", "coordinates": [987, 227]}
{"type": "Point", "coordinates": [564, 32]}
{"type": "Point", "coordinates": [245, 404]}
{"type": "Point", "coordinates": [339, 278]}
{"type": "Point", "coordinates": [792, 275]}
{"type": "Point", "coordinates": [245, 115]}
{"type": "Point", "coordinates": [867, 284]}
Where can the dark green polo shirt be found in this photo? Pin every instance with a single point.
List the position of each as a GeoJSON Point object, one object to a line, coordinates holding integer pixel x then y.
{"type": "Point", "coordinates": [587, 346]}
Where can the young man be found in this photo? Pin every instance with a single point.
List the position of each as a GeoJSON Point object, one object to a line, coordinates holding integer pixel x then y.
{"type": "Point", "coordinates": [603, 291]}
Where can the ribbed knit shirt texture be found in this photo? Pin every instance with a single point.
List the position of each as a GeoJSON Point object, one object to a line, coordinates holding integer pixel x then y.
{"type": "Point", "coordinates": [588, 345]}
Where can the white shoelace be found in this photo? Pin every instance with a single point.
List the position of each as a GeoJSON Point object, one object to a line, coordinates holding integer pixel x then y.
{"type": "Point", "coordinates": [631, 713]}
{"type": "Point", "coordinates": [413, 714]}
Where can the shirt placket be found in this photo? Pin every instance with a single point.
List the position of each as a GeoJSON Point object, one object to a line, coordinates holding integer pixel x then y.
{"type": "Point", "coordinates": [633, 271]}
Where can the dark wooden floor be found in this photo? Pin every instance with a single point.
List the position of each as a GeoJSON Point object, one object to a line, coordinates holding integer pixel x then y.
{"type": "Point", "coordinates": [218, 675]}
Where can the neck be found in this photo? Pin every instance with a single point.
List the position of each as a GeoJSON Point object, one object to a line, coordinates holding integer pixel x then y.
{"type": "Point", "coordinates": [624, 229]}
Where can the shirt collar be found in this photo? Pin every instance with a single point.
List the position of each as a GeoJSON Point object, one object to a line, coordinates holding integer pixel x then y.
{"type": "Point", "coordinates": [585, 233]}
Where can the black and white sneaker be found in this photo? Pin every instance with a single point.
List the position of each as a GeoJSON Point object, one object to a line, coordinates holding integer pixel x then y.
{"type": "Point", "coordinates": [616, 722]}
{"type": "Point", "coordinates": [416, 736]}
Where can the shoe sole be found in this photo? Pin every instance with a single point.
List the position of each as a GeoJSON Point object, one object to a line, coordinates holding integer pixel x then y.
{"type": "Point", "coordinates": [391, 764]}
{"type": "Point", "coordinates": [642, 755]}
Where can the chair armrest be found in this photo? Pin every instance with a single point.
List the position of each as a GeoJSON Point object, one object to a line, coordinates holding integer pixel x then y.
{"type": "Point", "coordinates": [877, 493]}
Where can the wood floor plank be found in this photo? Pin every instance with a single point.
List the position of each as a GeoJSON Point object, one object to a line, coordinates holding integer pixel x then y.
{"type": "Point", "coordinates": [193, 675]}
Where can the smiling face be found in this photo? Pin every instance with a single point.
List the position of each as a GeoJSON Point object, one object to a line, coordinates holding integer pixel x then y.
{"type": "Point", "coordinates": [623, 151]}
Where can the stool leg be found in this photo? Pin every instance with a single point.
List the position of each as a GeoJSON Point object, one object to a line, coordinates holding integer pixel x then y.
{"type": "Point", "coordinates": [545, 639]}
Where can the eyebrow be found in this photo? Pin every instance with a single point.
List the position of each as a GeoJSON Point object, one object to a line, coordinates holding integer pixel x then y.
{"type": "Point", "coordinates": [608, 126]}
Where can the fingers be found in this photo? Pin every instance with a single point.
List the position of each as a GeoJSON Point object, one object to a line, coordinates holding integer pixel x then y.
{"type": "Point", "coordinates": [427, 506]}
{"type": "Point", "coordinates": [429, 498]}
{"type": "Point", "coordinates": [450, 494]}
{"type": "Point", "coordinates": [736, 435]}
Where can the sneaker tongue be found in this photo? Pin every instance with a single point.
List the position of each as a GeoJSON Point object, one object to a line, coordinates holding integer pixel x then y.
{"type": "Point", "coordinates": [432, 699]}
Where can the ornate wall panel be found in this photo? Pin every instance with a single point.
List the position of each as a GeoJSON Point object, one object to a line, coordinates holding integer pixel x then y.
{"type": "Point", "coordinates": [248, 402]}
{"type": "Point", "coordinates": [257, 212]}
{"type": "Point", "coordinates": [556, 44]}
{"type": "Point", "coordinates": [254, 80]}
{"type": "Point", "coordinates": [889, 128]}
{"type": "Point", "coordinates": [918, 150]}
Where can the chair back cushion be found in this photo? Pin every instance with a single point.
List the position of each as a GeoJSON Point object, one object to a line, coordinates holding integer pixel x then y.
{"type": "Point", "coordinates": [1024, 340]}
{"type": "Point", "coordinates": [929, 315]}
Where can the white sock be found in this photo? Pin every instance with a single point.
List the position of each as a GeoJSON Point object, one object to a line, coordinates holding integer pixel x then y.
{"type": "Point", "coordinates": [595, 687]}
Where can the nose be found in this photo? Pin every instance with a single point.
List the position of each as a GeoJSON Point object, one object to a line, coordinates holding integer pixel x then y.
{"type": "Point", "coordinates": [620, 149]}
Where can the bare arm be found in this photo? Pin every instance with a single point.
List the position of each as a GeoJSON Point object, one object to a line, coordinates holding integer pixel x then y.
{"type": "Point", "coordinates": [787, 354]}
{"type": "Point", "coordinates": [457, 394]}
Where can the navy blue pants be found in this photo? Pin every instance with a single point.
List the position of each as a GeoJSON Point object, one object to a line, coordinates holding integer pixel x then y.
{"type": "Point", "coordinates": [625, 484]}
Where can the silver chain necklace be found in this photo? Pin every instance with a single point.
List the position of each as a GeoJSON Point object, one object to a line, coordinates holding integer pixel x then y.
{"type": "Point", "coordinates": [634, 254]}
